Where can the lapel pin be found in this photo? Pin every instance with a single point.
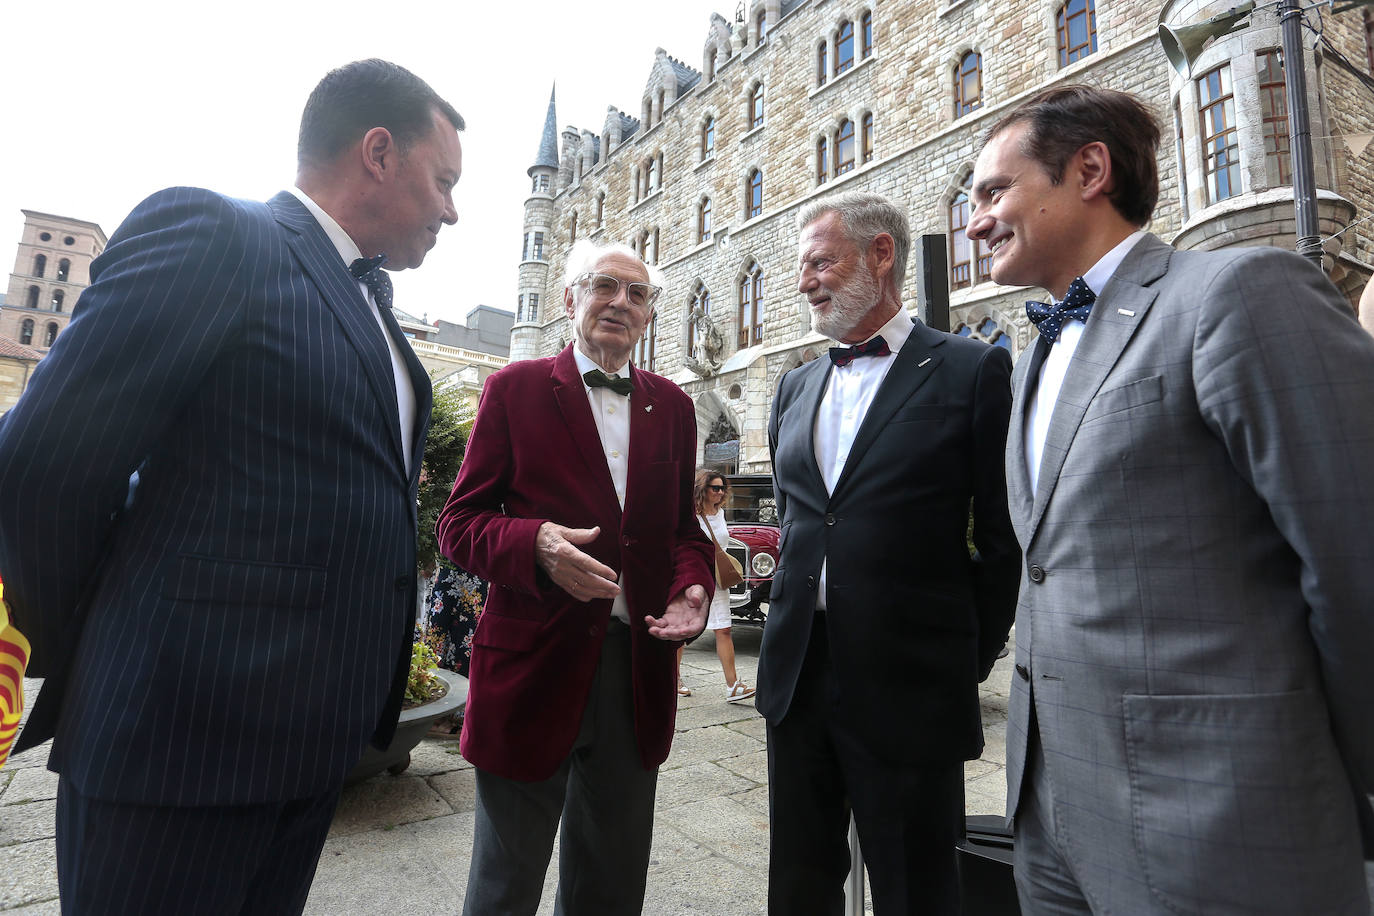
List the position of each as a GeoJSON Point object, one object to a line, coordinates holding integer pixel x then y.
{"type": "Point", "coordinates": [648, 408]}
{"type": "Point", "coordinates": [1127, 312]}
{"type": "Point", "coordinates": [923, 362]}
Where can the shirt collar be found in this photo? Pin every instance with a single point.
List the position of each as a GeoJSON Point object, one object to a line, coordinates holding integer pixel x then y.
{"type": "Point", "coordinates": [348, 250]}
{"type": "Point", "coordinates": [895, 331]}
{"type": "Point", "coordinates": [1100, 274]}
{"type": "Point", "coordinates": [585, 365]}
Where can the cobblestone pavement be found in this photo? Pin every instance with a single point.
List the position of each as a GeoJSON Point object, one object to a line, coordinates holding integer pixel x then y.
{"type": "Point", "coordinates": [400, 844]}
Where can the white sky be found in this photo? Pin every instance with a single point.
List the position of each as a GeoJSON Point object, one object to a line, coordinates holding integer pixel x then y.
{"type": "Point", "coordinates": [106, 103]}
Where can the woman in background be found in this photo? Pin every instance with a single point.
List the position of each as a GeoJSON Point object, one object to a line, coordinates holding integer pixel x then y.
{"type": "Point", "coordinates": [708, 493]}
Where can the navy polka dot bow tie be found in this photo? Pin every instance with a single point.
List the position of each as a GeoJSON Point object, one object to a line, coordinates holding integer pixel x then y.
{"type": "Point", "coordinates": [843, 356]}
{"type": "Point", "coordinates": [378, 281]}
{"type": "Point", "coordinates": [1050, 318]}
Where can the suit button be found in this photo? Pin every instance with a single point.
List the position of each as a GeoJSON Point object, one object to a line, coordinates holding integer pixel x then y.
{"type": "Point", "coordinates": [1037, 575]}
{"type": "Point", "coordinates": [829, 518]}
{"type": "Point", "coordinates": [592, 630]}
{"type": "Point", "coordinates": [1022, 673]}
{"type": "Point", "coordinates": [402, 583]}
{"type": "Point", "coordinates": [626, 541]}
{"type": "Point", "coordinates": [810, 581]}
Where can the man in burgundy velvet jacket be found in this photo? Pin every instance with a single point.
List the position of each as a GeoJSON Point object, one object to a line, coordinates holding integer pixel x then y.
{"type": "Point", "coordinates": [575, 502]}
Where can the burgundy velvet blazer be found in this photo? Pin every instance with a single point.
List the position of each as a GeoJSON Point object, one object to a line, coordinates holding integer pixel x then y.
{"type": "Point", "coordinates": [535, 456]}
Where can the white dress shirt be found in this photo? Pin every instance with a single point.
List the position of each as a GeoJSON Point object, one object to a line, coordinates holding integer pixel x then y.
{"type": "Point", "coordinates": [1056, 364]}
{"type": "Point", "coordinates": [611, 412]}
{"type": "Point", "coordinates": [405, 391]}
{"type": "Point", "coordinates": [849, 392]}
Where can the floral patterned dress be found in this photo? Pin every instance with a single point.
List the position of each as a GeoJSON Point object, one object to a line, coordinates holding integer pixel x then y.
{"type": "Point", "coordinates": [455, 602]}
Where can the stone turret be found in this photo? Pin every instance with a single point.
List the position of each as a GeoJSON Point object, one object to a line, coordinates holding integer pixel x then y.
{"type": "Point", "coordinates": [546, 179]}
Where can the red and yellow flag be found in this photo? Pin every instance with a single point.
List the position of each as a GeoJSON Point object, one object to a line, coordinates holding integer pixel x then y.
{"type": "Point", "coordinates": [14, 657]}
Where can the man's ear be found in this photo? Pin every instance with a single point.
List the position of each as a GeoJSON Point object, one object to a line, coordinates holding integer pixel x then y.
{"type": "Point", "coordinates": [569, 305]}
{"type": "Point", "coordinates": [881, 255]}
{"type": "Point", "coordinates": [380, 153]}
{"type": "Point", "coordinates": [1093, 166]}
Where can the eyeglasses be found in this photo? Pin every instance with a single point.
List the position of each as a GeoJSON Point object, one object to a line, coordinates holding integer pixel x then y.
{"type": "Point", "coordinates": [715, 486]}
{"type": "Point", "coordinates": [605, 287]}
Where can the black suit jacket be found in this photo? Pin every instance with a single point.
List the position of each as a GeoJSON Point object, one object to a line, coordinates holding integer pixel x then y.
{"type": "Point", "coordinates": [914, 621]}
{"type": "Point", "coordinates": [237, 633]}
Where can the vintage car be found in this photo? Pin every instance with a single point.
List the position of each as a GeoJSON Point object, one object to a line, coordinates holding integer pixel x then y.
{"type": "Point", "coordinates": [752, 518]}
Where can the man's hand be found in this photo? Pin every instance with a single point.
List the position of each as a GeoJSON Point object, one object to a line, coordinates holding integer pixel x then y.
{"type": "Point", "coordinates": [684, 617]}
{"type": "Point", "coordinates": [570, 569]}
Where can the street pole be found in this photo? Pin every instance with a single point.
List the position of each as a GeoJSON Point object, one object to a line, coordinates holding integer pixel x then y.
{"type": "Point", "coordinates": [1299, 132]}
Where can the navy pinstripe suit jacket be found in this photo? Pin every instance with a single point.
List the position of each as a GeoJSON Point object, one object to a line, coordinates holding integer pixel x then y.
{"type": "Point", "coordinates": [239, 632]}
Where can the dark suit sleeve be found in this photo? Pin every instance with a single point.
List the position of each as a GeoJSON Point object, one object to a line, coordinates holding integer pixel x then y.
{"type": "Point", "coordinates": [163, 300]}
{"type": "Point", "coordinates": [997, 572]}
{"type": "Point", "coordinates": [1285, 378]}
{"type": "Point", "coordinates": [694, 554]}
{"type": "Point", "coordinates": [473, 529]}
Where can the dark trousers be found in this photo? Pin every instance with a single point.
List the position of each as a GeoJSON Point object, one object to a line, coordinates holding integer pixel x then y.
{"type": "Point", "coordinates": [115, 858]}
{"type": "Point", "coordinates": [605, 799]}
{"type": "Point", "coordinates": [909, 817]}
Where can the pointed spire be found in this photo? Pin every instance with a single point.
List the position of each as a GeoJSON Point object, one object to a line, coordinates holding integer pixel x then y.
{"type": "Point", "coordinates": [548, 144]}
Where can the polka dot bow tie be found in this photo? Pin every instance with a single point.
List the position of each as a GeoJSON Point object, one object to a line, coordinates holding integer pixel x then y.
{"type": "Point", "coordinates": [1050, 318]}
{"type": "Point", "coordinates": [378, 281]}
{"type": "Point", "coordinates": [843, 356]}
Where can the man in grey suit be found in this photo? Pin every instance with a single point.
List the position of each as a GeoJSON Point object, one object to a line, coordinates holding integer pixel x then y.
{"type": "Point", "coordinates": [1190, 714]}
{"type": "Point", "coordinates": [219, 649]}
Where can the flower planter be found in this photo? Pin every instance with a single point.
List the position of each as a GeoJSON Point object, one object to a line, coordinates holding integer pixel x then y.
{"type": "Point", "coordinates": [410, 730]}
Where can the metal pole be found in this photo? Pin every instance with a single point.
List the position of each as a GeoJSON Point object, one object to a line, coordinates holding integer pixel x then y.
{"type": "Point", "coordinates": [1300, 132]}
{"type": "Point", "coordinates": [933, 293]}
{"type": "Point", "coordinates": [854, 884]}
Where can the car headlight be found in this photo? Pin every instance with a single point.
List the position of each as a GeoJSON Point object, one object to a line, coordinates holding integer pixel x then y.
{"type": "Point", "coordinates": [763, 564]}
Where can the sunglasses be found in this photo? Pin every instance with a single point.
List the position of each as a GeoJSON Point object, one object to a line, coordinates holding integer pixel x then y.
{"type": "Point", "coordinates": [715, 486]}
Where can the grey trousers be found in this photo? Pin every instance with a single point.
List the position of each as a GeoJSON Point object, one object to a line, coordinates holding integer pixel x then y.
{"type": "Point", "coordinates": [605, 799]}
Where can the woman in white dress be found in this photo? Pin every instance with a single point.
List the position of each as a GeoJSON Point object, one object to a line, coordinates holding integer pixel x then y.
{"type": "Point", "coordinates": [709, 494]}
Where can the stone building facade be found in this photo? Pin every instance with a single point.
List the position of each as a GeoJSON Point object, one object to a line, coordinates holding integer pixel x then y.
{"type": "Point", "coordinates": [51, 268]}
{"type": "Point", "coordinates": [802, 98]}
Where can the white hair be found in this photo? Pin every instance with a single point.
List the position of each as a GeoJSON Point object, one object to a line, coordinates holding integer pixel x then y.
{"type": "Point", "coordinates": [584, 255]}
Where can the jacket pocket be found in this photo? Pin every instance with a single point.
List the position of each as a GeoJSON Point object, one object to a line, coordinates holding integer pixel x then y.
{"type": "Point", "coordinates": [217, 580]}
{"type": "Point", "coordinates": [1238, 802]}
{"type": "Point", "coordinates": [514, 634]}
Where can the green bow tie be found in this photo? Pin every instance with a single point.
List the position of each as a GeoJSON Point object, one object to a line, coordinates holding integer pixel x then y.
{"type": "Point", "coordinates": [598, 379]}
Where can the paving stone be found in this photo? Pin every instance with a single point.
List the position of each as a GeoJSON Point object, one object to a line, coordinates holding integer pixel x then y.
{"type": "Point", "coordinates": [433, 755]}
{"type": "Point", "coordinates": [30, 784]}
{"type": "Point", "coordinates": [976, 768]}
{"type": "Point", "coordinates": [709, 886]}
{"type": "Point", "coordinates": [381, 871]}
{"type": "Point", "coordinates": [383, 802]}
{"type": "Point", "coordinates": [713, 743]}
{"type": "Point", "coordinates": [51, 907]}
{"type": "Point", "coordinates": [756, 727]}
{"type": "Point", "coordinates": [714, 710]}
{"type": "Point", "coordinates": [683, 785]}
{"type": "Point", "coordinates": [23, 823]}
{"type": "Point", "coordinates": [458, 788]}
{"type": "Point", "coordinates": [728, 828]}
{"type": "Point", "coordinates": [752, 766]}
{"type": "Point", "coordinates": [30, 873]}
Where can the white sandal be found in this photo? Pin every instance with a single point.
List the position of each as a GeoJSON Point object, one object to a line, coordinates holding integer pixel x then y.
{"type": "Point", "coordinates": [738, 691]}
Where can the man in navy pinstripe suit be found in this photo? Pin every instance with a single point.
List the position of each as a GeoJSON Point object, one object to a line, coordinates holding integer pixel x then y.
{"type": "Point", "coordinates": [219, 652]}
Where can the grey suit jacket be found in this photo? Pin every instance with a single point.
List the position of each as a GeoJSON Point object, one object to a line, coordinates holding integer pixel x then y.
{"type": "Point", "coordinates": [1197, 604]}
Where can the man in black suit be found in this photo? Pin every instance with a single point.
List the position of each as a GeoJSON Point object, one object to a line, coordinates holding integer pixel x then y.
{"type": "Point", "coordinates": [219, 651]}
{"type": "Point", "coordinates": [881, 621]}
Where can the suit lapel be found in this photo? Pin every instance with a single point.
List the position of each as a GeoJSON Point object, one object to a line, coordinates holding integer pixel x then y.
{"type": "Point", "coordinates": [914, 363]}
{"type": "Point", "coordinates": [419, 383]}
{"type": "Point", "coordinates": [808, 400]}
{"type": "Point", "coordinates": [1115, 316]}
{"type": "Point", "coordinates": [646, 426]}
{"type": "Point", "coordinates": [320, 261]}
{"type": "Point", "coordinates": [571, 395]}
{"type": "Point", "coordinates": [1023, 383]}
